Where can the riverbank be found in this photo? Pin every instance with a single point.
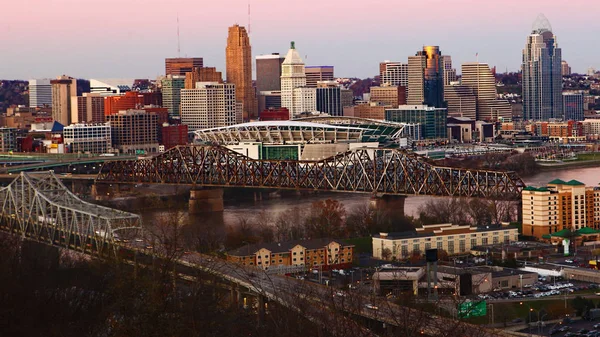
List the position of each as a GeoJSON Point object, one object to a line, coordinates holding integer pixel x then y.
{"type": "Point", "coordinates": [569, 165]}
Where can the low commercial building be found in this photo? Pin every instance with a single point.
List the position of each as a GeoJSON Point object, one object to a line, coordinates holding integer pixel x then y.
{"type": "Point", "coordinates": [87, 138]}
{"type": "Point", "coordinates": [302, 254]}
{"type": "Point", "coordinates": [453, 239]}
{"type": "Point", "coordinates": [8, 139]}
{"type": "Point", "coordinates": [134, 131]}
{"type": "Point", "coordinates": [397, 280]}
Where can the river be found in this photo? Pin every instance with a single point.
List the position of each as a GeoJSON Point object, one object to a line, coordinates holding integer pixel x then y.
{"type": "Point", "coordinates": [249, 210]}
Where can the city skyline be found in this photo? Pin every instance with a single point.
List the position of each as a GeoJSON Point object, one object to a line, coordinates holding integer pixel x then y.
{"type": "Point", "coordinates": [136, 45]}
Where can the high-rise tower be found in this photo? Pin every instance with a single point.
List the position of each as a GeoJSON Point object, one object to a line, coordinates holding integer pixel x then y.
{"type": "Point", "coordinates": [481, 80]}
{"type": "Point", "coordinates": [426, 78]}
{"type": "Point", "coordinates": [239, 69]}
{"type": "Point", "coordinates": [542, 73]}
{"type": "Point", "coordinates": [292, 76]}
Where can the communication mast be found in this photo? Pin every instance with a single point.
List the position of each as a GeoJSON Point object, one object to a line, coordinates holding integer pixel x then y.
{"type": "Point", "coordinates": [178, 41]}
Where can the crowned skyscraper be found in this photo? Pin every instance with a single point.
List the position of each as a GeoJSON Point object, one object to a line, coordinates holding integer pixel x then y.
{"type": "Point", "coordinates": [239, 69]}
{"type": "Point", "coordinates": [542, 73]}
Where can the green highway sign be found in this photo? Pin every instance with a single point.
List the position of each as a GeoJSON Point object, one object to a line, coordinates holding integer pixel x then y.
{"type": "Point", "coordinates": [472, 309]}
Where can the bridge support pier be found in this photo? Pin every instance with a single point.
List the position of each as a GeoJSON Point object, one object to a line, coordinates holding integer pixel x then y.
{"type": "Point", "coordinates": [39, 256]}
{"type": "Point", "coordinates": [205, 200]}
{"type": "Point", "coordinates": [393, 205]}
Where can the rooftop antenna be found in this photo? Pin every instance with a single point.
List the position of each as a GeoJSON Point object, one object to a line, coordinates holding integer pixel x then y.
{"type": "Point", "coordinates": [249, 27]}
{"type": "Point", "coordinates": [178, 41]}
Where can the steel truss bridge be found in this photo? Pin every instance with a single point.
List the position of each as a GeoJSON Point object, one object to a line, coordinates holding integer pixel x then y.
{"type": "Point", "coordinates": [39, 207]}
{"type": "Point", "coordinates": [362, 170]}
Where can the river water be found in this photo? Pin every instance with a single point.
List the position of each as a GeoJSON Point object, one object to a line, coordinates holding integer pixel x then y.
{"type": "Point", "coordinates": [250, 210]}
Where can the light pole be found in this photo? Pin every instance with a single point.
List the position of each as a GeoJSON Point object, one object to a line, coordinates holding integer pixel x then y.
{"type": "Point", "coordinates": [492, 310]}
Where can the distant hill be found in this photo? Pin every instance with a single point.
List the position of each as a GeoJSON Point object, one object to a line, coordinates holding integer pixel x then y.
{"type": "Point", "coordinates": [13, 93]}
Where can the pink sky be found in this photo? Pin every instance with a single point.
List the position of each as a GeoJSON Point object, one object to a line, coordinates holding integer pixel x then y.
{"type": "Point", "coordinates": [114, 38]}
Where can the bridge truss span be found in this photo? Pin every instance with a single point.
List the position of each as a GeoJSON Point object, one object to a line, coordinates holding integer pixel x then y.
{"type": "Point", "coordinates": [362, 170]}
{"type": "Point", "coordinates": [39, 207]}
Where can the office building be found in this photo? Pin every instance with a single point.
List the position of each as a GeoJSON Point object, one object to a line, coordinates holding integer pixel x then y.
{"type": "Point", "coordinates": [453, 239]}
{"type": "Point", "coordinates": [573, 106]}
{"type": "Point", "coordinates": [134, 131]}
{"type": "Point", "coordinates": [268, 72]}
{"type": "Point", "coordinates": [426, 78]}
{"type": "Point", "coordinates": [40, 93]}
{"type": "Point", "coordinates": [432, 120]}
{"type": "Point", "coordinates": [316, 74]}
{"type": "Point", "coordinates": [63, 89]}
{"type": "Point", "coordinates": [88, 108]}
{"type": "Point", "coordinates": [182, 65]}
{"type": "Point", "coordinates": [393, 73]}
{"type": "Point", "coordinates": [347, 97]}
{"type": "Point", "coordinates": [210, 105]}
{"type": "Point", "coordinates": [292, 76]}
{"type": "Point", "coordinates": [88, 138]}
{"type": "Point", "coordinates": [113, 86]}
{"type": "Point", "coordinates": [305, 100]}
{"type": "Point", "coordinates": [324, 254]}
{"type": "Point", "coordinates": [269, 100]}
{"type": "Point", "coordinates": [481, 80]}
{"type": "Point", "coordinates": [542, 73]}
{"type": "Point", "coordinates": [449, 72]}
{"type": "Point", "coordinates": [173, 135]}
{"type": "Point", "coordinates": [392, 96]}
{"type": "Point", "coordinates": [202, 75]}
{"type": "Point", "coordinates": [8, 139]}
{"type": "Point", "coordinates": [560, 205]}
{"type": "Point", "coordinates": [329, 98]}
{"type": "Point", "coordinates": [565, 68]}
{"type": "Point", "coordinates": [171, 93]}
{"type": "Point", "coordinates": [367, 111]}
{"type": "Point", "coordinates": [274, 114]}
{"type": "Point", "coordinates": [461, 101]}
{"type": "Point", "coordinates": [239, 69]}
{"type": "Point", "coordinates": [131, 100]}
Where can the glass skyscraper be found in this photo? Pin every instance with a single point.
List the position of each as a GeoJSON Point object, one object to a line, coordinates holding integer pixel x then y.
{"type": "Point", "coordinates": [542, 74]}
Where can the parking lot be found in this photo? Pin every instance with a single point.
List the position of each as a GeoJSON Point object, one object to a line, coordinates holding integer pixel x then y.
{"type": "Point", "coordinates": [577, 328]}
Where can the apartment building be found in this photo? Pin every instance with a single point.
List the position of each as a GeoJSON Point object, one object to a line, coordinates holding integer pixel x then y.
{"type": "Point", "coordinates": [558, 206]}
{"type": "Point", "coordinates": [321, 253]}
{"type": "Point", "coordinates": [87, 138]}
{"type": "Point", "coordinates": [453, 239]}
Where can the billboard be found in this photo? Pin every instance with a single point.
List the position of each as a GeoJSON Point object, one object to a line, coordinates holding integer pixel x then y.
{"type": "Point", "coordinates": [472, 309]}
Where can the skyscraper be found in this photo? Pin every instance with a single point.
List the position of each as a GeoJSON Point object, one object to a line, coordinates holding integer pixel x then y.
{"type": "Point", "coordinates": [171, 93]}
{"type": "Point", "coordinates": [239, 69]}
{"type": "Point", "coordinates": [182, 65]}
{"type": "Point", "coordinates": [63, 89]}
{"type": "Point", "coordinates": [461, 101]}
{"type": "Point", "coordinates": [393, 73]}
{"type": "Point", "coordinates": [426, 78]}
{"type": "Point", "coordinates": [542, 73]}
{"type": "Point", "coordinates": [481, 80]}
{"type": "Point", "coordinates": [565, 68]}
{"type": "Point", "coordinates": [329, 98]}
{"type": "Point", "coordinates": [40, 93]}
{"type": "Point", "coordinates": [449, 72]}
{"type": "Point", "coordinates": [268, 72]}
{"type": "Point", "coordinates": [292, 76]}
{"type": "Point", "coordinates": [316, 74]}
{"type": "Point", "coordinates": [210, 105]}
{"type": "Point", "coordinates": [202, 75]}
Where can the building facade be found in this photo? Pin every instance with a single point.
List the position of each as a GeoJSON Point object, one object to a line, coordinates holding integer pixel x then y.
{"type": "Point", "coordinates": [134, 131]}
{"type": "Point", "coordinates": [449, 72]}
{"type": "Point", "coordinates": [63, 89]}
{"type": "Point", "coordinates": [173, 135]}
{"type": "Point", "coordinates": [573, 106]}
{"type": "Point", "coordinates": [392, 96]}
{"type": "Point", "coordinates": [480, 78]}
{"type": "Point", "coordinates": [8, 139]}
{"type": "Point", "coordinates": [432, 120]}
{"type": "Point", "coordinates": [292, 76]}
{"type": "Point", "coordinates": [329, 98]}
{"type": "Point", "coordinates": [453, 239]}
{"type": "Point", "coordinates": [426, 78]}
{"type": "Point", "coordinates": [315, 74]}
{"type": "Point", "coordinates": [182, 65]}
{"type": "Point", "coordinates": [88, 138]}
{"type": "Point", "coordinates": [202, 75]}
{"type": "Point", "coordinates": [171, 93]}
{"type": "Point", "coordinates": [542, 73]}
{"type": "Point", "coordinates": [268, 72]}
{"type": "Point", "coordinates": [558, 206]}
{"type": "Point", "coordinates": [565, 68]}
{"type": "Point", "coordinates": [40, 93]}
{"type": "Point", "coordinates": [461, 101]}
{"type": "Point", "coordinates": [210, 105]}
{"type": "Point", "coordinates": [368, 111]}
{"type": "Point", "coordinates": [394, 74]}
{"type": "Point", "coordinates": [269, 100]}
{"type": "Point", "coordinates": [130, 100]}
{"type": "Point", "coordinates": [88, 108]}
{"type": "Point", "coordinates": [306, 254]}
{"type": "Point", "coordinates": [239, 69]}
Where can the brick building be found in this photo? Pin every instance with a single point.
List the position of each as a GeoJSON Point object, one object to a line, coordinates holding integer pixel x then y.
{"type": "Point", "coordinates": [278, 114]}
{"type": "Point", "coordinates": [173, 135]}
{"type": "Point", "coordinates": [131, 100]}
